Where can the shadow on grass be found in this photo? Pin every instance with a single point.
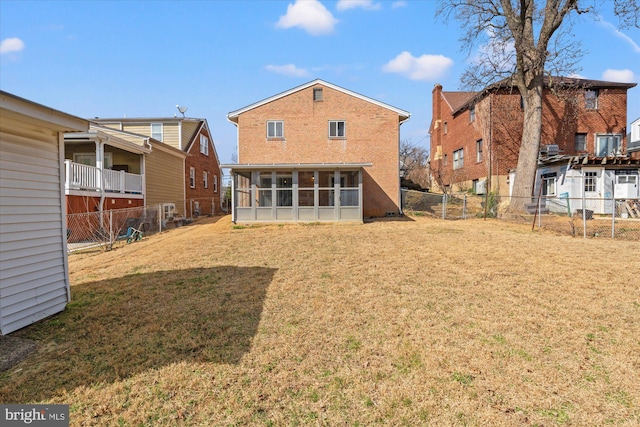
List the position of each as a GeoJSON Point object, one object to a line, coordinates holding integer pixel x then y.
{"type": "Point", "coordinates": [116, 328]}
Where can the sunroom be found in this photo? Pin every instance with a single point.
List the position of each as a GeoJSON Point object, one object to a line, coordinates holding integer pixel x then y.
{"type": "Point", "coordinates": [296, 192]}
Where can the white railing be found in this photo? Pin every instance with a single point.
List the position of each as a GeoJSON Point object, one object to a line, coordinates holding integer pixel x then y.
{"type": "Point", "coordinates": [88, 178]}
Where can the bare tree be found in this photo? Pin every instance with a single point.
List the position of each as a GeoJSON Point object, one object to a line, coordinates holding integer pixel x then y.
{"type": "Point", "coordinates": [414, 163]}
{"type": "Point", "coordinates": [522, 41]}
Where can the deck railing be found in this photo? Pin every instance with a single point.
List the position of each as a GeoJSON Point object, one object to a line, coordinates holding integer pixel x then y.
{"type": "Point", "coordinates": [90, 178]}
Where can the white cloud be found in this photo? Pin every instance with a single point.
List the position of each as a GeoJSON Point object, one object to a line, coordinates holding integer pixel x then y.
{"type": "Point", "coordinates": [425, 67]}
{"type": "Point", "coordinates": [309, 15]}
{"type": "Point", "coordinates": [353, 4]}
{"type": "Point", "coordinates": [621, 76]}
{"type": "Point", "coordinates": [609, 26]}
{"type": "Point", "coordinates": [288, 70]}
{"type": "Point", "coordinates": [399, 3]}
{"type": "Point", "coordinates": [9, 45]}
{"type": "Point", "coordinates": [576, 76]}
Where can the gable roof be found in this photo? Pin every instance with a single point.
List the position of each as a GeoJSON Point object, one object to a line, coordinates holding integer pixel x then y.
{"type": "Point", "coordinates": [456, 99]}
{"type": "Point", "coordinates": [203, 125]}
{"type": "Point", "coordinates": [233, 116]}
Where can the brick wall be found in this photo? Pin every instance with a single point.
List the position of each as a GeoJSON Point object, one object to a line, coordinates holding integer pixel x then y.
{"type": "Point", "coordinates": [372, 135]}
{"type": "Point", "coordinates": [498, 122]}
{"type": "Point", "coordinates": [202, 163]}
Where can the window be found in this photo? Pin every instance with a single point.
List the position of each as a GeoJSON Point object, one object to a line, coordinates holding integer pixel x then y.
{"type": "Point", "coordinates": [306, 182]}
{"type": "Point", "coordinates": [445, 160]}
{"type": "Point", "coordinates": [317, 94]}
{"type": "Point", "coordinates": [156, 131]}
{"type": "Point", "coordinates": [580, 142]}
{"type": "Point", "coordinates": [336, 129]}
{"type": "Point", "coordinates": [215, 183]}
{"type": "Point", "coordinates": [591, 99]}
{"type": "Point", "coordinates": [168, 210]}
{"type": "Point", "coordinates": [608, 145]}
{"type": "Point", "coordinates": [89, 159]}
{"type": "Point", "coordinates": [445, 128]}
{"type": "Point", "coordinates": [284, 189]}
{"type": "Point", "coordinates": [479, 150]}
{"type": "Point", "coordinates": [275, 129]}
{"type": "Point", "coordinates": [590, 181]}
{"type": "Point", "coordinates": [205, 179]}
{"type": "Point", "coordinates": [263, 187]}
{"type": "Point", "coordinates": [472, 113]}
{"type": "Point", "coordinates": [549, 184]}
{"type": "Point", "coordinates": [192, 177]}
{"type": "Point", "coordinates": [204, 145]}
{"type": "Point", "coordinates": [458, 158]}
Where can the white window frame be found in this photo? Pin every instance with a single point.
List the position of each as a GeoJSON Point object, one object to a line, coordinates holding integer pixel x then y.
{"type": "Point", "coordinates": [549, 182]}
{"type": "Point", "coordinates": [215, 183]}
{"type": "Point", "coordinates": [205, 179]}
{"type": "Point", "coordinates": [275, 129]}
{"type": "Point", "coordinates": [611, 148]}
{"type": "Point", "coordinates": [157, 135]}
{"type": "Point", "coordinates": [479, 151]}
{"type": "Point", "coordinates": [204, 145]}
{"type": "Point", "coordinates": [192, 177]}
{"type": "Point", "coordinates": [168, 210]}
{"type": "Point", "coordinates": [472, 114]}
{"type": "Point", "coordinates": [590, 181]}
{"type": "Point", "coordinates": [337, 131]}
{"type": "Point", "coordinates": [458, 159]}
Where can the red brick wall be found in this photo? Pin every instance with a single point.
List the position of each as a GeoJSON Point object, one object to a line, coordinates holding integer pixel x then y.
{"type": "Point", "coordinates": [500, 115]}
{"type": "Point", "coordinates": [82, 204]}
{"type": "Point", "coordinates": [202, 163]}
{"type": "Point", "coordinates": [372, 135]}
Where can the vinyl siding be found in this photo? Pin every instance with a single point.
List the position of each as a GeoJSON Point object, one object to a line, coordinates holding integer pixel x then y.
{"type": "Point", "coordinates": [164, 173]}
{"type": "Point", "coordinates": [189, 128]}
{"type": "Point", "coordinates": [33, 281]}
{"type": "Point", "coordinates": [170, 131]}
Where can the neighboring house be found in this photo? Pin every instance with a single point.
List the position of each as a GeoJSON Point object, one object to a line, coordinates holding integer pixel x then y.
{"type": "Point", "coordinates": [566, 183]}
{"type": "Point", "coordinates": [34, 273]}
{"type": "Point", "coordinates": [202, 173]}
{"type": "Point", "coordinates": [633, 143]}
{"type": "Point", "coordinates": [475, 136]}
{"type": "Point", "coordinates": [112, 169]}
{"type": "Point", "coordinates": [317, 152]}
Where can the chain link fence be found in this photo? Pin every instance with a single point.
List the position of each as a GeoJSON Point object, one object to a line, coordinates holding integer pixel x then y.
{"type": "Point", "coordinates": [592, 217]}
{"type": "Point", "coordinates": [114, 227]}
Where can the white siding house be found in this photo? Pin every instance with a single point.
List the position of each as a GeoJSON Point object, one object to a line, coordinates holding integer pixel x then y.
{"type": "Point", "coordinates": [34, 278]}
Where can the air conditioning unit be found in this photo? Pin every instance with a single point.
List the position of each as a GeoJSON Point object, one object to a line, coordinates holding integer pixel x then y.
{"type": "Point", "coordinates": [551, 150]}
{"type": "Point", "coordinates": [481, 187]}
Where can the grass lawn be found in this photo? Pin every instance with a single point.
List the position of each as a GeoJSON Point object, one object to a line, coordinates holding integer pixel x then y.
{"type": "Point", "coordinates": [416, 322]}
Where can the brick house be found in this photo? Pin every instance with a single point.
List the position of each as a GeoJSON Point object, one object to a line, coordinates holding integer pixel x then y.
{"type": "Point", "coordinates": [202, 172]}
{"type": "Point", "coordinates": [475, 136]}
{"type": "Point", "coordinates": [317, 152]}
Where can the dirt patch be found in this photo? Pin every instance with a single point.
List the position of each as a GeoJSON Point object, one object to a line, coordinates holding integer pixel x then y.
{"type": "Point", "coordinates": [14, 350]}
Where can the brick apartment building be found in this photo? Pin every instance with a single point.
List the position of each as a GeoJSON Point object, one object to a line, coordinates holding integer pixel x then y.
{"type": "Point", "coordinates": [317, 152]}
{"type": "Point", "coordinates": [475, 136]}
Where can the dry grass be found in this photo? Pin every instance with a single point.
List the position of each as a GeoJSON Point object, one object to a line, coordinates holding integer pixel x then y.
{"type": "Point", "coordinates": [421, 322]}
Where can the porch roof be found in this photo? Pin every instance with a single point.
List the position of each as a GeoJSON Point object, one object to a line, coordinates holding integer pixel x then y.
{"type": "Point", "coordinates": [577, 162]}
{"type": "Point", "coordinates": [294, 166]}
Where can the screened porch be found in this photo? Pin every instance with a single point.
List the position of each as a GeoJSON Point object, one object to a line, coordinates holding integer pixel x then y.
{"type": "Point", "coordinates": [306, 193]}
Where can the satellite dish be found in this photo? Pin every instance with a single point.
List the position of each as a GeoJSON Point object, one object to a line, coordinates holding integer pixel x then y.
{"type": "Point", "coordinates": [182, 109]}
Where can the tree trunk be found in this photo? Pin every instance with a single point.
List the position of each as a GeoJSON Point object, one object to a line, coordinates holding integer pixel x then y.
{"type": "Point", "coordinates": [528, 158]}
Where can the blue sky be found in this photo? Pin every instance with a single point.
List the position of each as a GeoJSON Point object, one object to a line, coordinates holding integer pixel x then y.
{"type": "Point", "coordinates": [140, 59]}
